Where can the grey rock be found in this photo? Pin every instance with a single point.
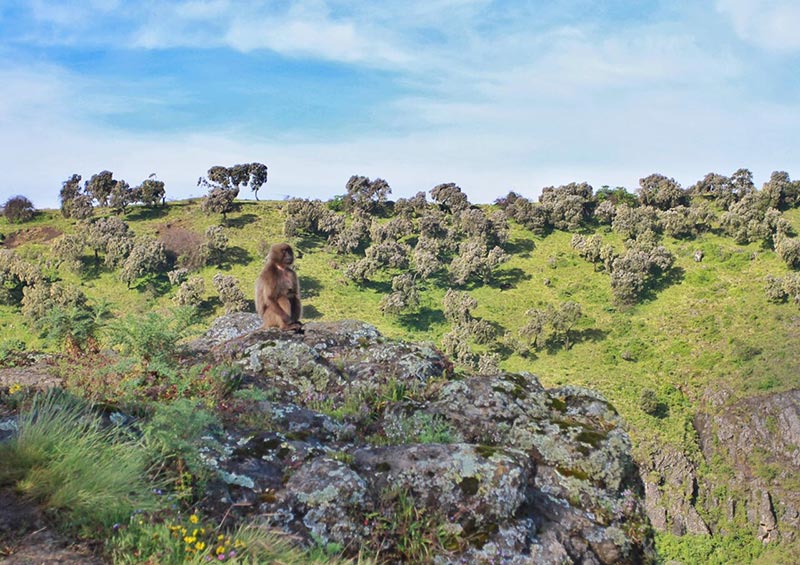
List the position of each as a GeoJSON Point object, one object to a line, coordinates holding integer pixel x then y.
{"type": "Point", "coordinates": [533, 475]}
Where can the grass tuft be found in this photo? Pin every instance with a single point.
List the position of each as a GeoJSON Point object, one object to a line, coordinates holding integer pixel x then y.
{"type": "Point", "coordinates": [84, 474]}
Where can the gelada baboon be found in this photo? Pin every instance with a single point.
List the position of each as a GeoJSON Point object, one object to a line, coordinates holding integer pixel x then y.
{"type": "Point", "coordinates": [278, 292]}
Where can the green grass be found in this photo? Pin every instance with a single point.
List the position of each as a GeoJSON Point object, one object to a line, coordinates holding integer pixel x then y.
{"type": "Point", "coordinates": [709, 327]}
{"type": "Point", "coordinates": [83, 474]}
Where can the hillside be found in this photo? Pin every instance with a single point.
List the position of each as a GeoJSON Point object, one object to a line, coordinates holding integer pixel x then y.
{"type": "Point", "coordinates": [702, 338]}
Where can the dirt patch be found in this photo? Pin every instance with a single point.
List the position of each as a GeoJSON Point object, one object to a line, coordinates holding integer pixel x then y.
{"type": "Point", "coordinates": [31, 235]}
{"type": "Point", "coordinates": [26, 538]}
{"type": "Point", "coordinates": [39, 376]}
{"type": "Point", "coordinates": [182, 245]}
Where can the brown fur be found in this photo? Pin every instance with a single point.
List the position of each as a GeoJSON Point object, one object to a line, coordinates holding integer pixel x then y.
{"type": "Point", "coordinates": [278, 291]}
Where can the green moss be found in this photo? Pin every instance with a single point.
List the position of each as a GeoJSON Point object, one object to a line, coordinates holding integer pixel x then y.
{"type": "Point", "coordinates": [486, 451]}
{"type": "Point", "coordinates": [572, 472]}
{"type": "Point", "coordinates": [299, 435]}
{"type": "Point", "coordinates": [557, 404]}
{"type": "Point", "coordinates": [469, 485]}
{"type": "Point", "coordinates": [591, 437]}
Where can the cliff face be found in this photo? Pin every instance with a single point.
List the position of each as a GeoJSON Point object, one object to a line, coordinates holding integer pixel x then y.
{"type": "Point", "coordinates": [496, 468]}
{"type": "Point", "coordinates": [758, 438]}
{"type": "Point", "coordinates": [751, 479]}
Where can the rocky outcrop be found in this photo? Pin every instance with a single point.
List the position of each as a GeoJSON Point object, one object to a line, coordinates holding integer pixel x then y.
{"type": "Point", "coordinates": [758, 439]}
{"type": "Point", "coordinates": [363, 438]}
{"type": "Point", "coordinates": [672, 488]}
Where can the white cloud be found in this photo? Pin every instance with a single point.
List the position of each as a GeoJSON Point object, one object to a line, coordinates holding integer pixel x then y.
{"type": "Point", "coordinates": [770, 24]}
{"type": "Point", "coordinates": [305, 29]}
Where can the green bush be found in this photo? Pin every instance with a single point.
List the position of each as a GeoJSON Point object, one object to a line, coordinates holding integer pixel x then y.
{"type": "Point", "coordinates": [151, 337]}
{"type": "Point", "coordinates": [86, 475]}
{"type": "Point", "coordinates": [18, 209]}
{"type": "Point", "coordinates": [648, 402]}
{"type": "Point", "coordinates": [172, 436]}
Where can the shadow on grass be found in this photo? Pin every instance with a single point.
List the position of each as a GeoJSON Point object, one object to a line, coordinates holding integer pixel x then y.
{"type": "Point", "coordinates": [241, 221]}
{"type": "Point", "coordinates": [146, 213]}
{"type": "Point", "coordinates": [661, 411]}
{"type": "Point", "coordinates": [305, 243]}
{"type": "Point", "coordinates": [311, 313]}
{"type": "Point", "coordinates": [309, 287]}
{"type": "Point", "coordinates": [674, 276]}
{"type": "Point", "coordinates": [421, 320]}
{"type": "Point", "coordinates": [509, 278]}
{"type": "Point", "coordinates": [155, 285]}
{"type": "Point", "coordinates": [237, 256]}
{"type": "Point", "coordinates": [555, 344]}
{"type": "Point", "coordinates": [232, 256]}
{"type": "Point", "coordinates": [521, 247]}
{"type": "Point", "coordinates": [378, 286]}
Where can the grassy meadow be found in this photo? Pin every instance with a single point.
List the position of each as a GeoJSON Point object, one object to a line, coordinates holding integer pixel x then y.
{"type": "Point", "coordinates": [707, 326]}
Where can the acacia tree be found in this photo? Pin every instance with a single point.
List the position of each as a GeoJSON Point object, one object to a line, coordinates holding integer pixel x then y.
{"type": "Point", "coordinates": [563, 320]}
{"type": "Point", "coordinates": [464, 327]}
{"type": "Point", "coordinates": [780, 192]}
{"type": "Point", "coordinates": [67, 250]}
{"type": "Point", "coordinates": [223, 186]}
{"type": "Point", "coordinates": [99, 233]}
{"type": "Point", "coordinates": [190, 292]}
{"type": "Point", "coordinates": [70, 188]}
{"type": "Point", "coordinates": [122, 196]}
{"type": "Point", "coordinates": [219, 200]}
{"type": "Point", "coordinates": [99, 187]}
{"type": "Point", "coordinates": [637, 269]}
{"type": "Point", "coordinates": [62, 313]}
{"type": "Point", "coordinates": [230, 294]}
{"type": "Point", "coordinates": [252, 175]}
{"type": "Point", "coordinates": [75, 203]}
{"type": "Point", "coordinates": [150, 192]}
{"type": "Point", "coordinates": [216, 244]}
{"type": "Point", "coordinates": [15, 275]}
{"type": "Point", "coordinates": [366, 195]}
{"type": "Point", "coordinates": [569, 205]}
{"type": "Point", "coordinates": [449, 197]}
{"type": "Point", "coordinates": [351, 237]}
{"type": "Point", "coordinates": [476, 260]}
{"type": "Point", "coordinates": [662, 192]}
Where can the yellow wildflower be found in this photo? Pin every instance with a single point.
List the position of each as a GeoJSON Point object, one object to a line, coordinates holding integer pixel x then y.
{"type": "Point", "coordinates": [14, 389]}
{"type": "Point", "coordinates": [190, 539]}
{"type": "Point", "coordinates": [200, 545]}
{"type": "Point", "coordinates": [194, 519]}
{"type": "Point", "coordinates": [220, 549]}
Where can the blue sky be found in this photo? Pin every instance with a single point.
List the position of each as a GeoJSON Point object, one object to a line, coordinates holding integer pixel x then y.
{"type": "Point", "coordinates": [494, 96]}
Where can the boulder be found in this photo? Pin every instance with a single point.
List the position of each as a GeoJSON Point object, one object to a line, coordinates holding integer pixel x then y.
{"type": "Point", "coordinates": [365, 440]}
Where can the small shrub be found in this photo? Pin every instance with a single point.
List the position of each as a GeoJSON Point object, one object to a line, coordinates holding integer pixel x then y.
{"type": "Point", "coordinates": [230, 294]}
{"type": "Point", "coordinates": [419, 428]}
{"type": "Point", "coordinates": [147, 539]}
{"type": "Point", "coordinates": [172, 435]}
{"type": "Point", "coordinates": [191, 292]}
{"type": "Point", "coordinates": [150, 336]}
{"type": "Point", "coordinates": [12, 353]}
{"type": "Point", "coordinates": [648, 402]}
{"type": "Point", "coordinates": [18, 210]}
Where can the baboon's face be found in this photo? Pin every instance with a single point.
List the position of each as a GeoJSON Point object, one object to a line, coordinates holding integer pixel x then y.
{"type": "Point", "coordinates": [282, 254]}
{"type": "Point", "coordinates": [288, 256]}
